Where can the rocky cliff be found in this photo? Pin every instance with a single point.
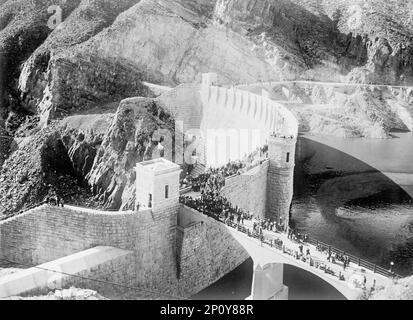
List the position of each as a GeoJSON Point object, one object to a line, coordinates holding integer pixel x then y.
{"type": "Point", "coordinates": [88, 159]}
{"type": "Point", "coordinates": [347, 110]}
{"type": "Point", "coordinates": [129, 140]}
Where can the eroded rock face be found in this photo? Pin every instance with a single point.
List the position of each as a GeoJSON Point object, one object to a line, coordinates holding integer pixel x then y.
{"type": "Point", "coordinates": [348, 111]}
{"type": "Point", "coordinates": [82, 137]}
{"type": "Point", "coordinates": [130, 139]}
{"type": "Point", "coordinates": [173, 45]}
{"type": "Point", "coordinates": [26, 175]}
{"type": "Point", "coordinates": [58, 78]}
{"type": "Point", "coordinates": [297, 42]}
{"type": "Point", "coordinates": [251, 13]}
{"type": "Point", "coordinates": [5, 143]}
{"type": "Point", "coordinates": [389, 32]}
{"type": "Point", "coordinates": [84, 153]}
{"type": "Point", "coordinates": [78, 82]}
{"type": "Point", "coordinates": [386, 64]}
{"type": "Point", "coordinates": [56, 157]}
{"type": "Point", "coordinates": [23, 27]}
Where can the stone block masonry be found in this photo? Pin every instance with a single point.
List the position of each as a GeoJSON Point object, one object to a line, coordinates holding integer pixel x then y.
{"type": "Point", "coordinates": [266, 190]}
{"type": "Point", "coordinates": [165, 261]}
{"type": "Point", "coordinates": [280, 192]}
{"type": "Point", "coordinates": [249, 190]}
{"type": "Point", "coordinates": [49, 233]}
{"type": "Point", "coordinates": [280, 182]}
{"type": "Point", "coordinates": [206, 251]}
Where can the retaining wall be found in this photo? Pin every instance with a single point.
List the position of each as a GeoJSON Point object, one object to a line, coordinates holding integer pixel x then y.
{"type": "Point", "coordinates": [206, 251]}
{"type": "Point", "coordinates": [249, 190]}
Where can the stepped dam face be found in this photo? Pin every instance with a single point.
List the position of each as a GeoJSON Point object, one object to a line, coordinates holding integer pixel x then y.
{"type": "Point", "coordinates": [228, 123]}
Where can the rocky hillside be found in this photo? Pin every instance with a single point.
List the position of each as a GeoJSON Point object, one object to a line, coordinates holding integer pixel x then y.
{"type": "Point", "coordinates": [69, 112]}
{"type": "Point", "coordinates": [88, 159]}
{"type": "Point", "coordinates": [347, 110]}
{"type": "Point", "coordinates": [172, 42]}
{"type": "Point", "coordinates": [387, 27]}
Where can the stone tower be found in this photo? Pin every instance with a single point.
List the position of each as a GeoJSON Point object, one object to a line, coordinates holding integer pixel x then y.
{"type": "Point", "coordinates": [280, 180]}
{"type": "Point", "coordinates": [157, 185]}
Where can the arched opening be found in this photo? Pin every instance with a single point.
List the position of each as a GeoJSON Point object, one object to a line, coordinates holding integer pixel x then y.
{"type": "Point", "coordinates": [302, 285]}
{"type": "Point", "coordinates": [235, 285]}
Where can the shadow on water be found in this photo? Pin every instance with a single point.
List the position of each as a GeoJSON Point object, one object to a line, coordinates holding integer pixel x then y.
{"type": "Point", "coordinates": [236, 285]}
{"type": "Point", "coordinates": [349, 204]}
{"type": "Point", "coordinates": [302, 285]}
{"type": "Point", "coordinates": [336, 175]}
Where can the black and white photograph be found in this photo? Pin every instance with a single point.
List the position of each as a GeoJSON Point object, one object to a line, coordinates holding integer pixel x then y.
{"type": "Point", "coordinates": [214, 151]}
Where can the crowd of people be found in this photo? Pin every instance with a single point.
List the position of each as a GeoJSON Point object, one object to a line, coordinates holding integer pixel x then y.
{"type": "Point", "coordinates": [335, 257]}
{"type": "Point", "coordinates": [214, 205]}
{"type": "Point", "coordinates": [296, 236]}
{"type": "Point", "coordinates": [214, 178]}
{"type": "Point", "coordinates": [218, 207]}
{"type": "Point", "coordinates": [269, 224]}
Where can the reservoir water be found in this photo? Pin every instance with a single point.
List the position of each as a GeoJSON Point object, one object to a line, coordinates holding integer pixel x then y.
{"type": "Point", "coordinates": [356, 194]}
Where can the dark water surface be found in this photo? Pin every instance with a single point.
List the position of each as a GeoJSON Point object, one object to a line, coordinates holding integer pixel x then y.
{"type": "Point", "coordinates": [378, 225]}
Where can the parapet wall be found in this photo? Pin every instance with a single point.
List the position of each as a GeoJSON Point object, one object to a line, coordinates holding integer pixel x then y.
{"type": "Point", "coordinates": [248, 191]}
{"type": "Point", "coordinates": [48, 233]}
